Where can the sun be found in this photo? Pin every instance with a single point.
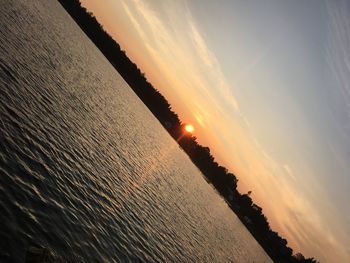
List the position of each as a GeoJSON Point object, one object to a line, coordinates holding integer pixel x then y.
{"type": "Point", "coordinates": [189, 128]}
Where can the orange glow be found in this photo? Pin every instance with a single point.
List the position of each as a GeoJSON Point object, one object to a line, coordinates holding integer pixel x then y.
{"type": "Point", "coordinates": [189, 128]}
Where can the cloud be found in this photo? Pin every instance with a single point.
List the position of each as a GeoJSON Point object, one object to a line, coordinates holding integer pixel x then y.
{"type": "Point", "coordinates": [212, 66]}
{"type": "Point", "coordinates": [179, 50]}
{"type": "Point", "coordinates": [310, 226]}
{"type": "Point", "coordinates": [289, 172]}
{"type": "Point", "coordinates": [204, 53]}
{"type": "Point", "coordinates": [134, 21]}
{"type": "Point", "coordinates": [338, 61]}
{"type": "Point", "coordinates": [299, 211]}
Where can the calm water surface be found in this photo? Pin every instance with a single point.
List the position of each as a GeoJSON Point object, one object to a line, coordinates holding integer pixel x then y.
{"type": "Point", "coordinates": [85, 169]}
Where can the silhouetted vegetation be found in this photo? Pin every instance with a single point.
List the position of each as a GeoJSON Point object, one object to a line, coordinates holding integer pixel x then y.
{"type": "Point", "coordinates": [225, 182]}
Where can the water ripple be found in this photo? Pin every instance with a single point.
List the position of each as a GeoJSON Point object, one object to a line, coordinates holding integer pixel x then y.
{"type": "Point", "coordinates": [82, 173]}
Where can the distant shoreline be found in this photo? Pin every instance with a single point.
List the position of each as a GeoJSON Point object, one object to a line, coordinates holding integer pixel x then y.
{"type": "Point", "coordinates": [225, 183]}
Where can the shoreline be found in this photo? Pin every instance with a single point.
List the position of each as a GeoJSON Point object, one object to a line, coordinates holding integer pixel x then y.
{"type": "Point", "coordinates": [224, 182]}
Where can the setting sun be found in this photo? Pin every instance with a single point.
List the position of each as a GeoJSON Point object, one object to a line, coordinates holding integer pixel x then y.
{"type": "Point", "coordinates": [189, 128]}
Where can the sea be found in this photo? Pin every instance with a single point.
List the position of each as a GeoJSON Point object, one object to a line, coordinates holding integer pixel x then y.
{"type": "Point", "coordinates": [86, 171]}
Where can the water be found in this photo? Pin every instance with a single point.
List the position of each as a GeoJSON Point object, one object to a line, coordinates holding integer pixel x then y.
{"type": "Point", "coordinates": [85, 169]}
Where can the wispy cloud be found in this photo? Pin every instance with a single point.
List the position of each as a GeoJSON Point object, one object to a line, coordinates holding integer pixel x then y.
{"type": "Point", "coordinates": [212, 66]}
{"type": "Point", "coordinates": [302, 212]}
{"type": "Point", "coordinates": [289, 172]}
{"type": "Point", "coordinates": [200, 46]}
{"type": "Point", "coordinates": [180, 52]}
{"type": "Point", "coordinates": [133, 20]}
{"type": "Point", "coordinates": [338, 59]}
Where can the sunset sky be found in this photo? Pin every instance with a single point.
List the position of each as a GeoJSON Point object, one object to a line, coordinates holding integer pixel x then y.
{"type": "Point", "coordinates": [266, 85]}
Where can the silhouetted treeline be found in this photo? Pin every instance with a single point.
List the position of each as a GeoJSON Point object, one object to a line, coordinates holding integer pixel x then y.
{"type": "Point", "coordinates": [225, 182]}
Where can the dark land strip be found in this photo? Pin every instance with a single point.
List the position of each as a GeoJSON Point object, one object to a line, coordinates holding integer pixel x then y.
{"type": "Point", "coordinates": [225, 182]}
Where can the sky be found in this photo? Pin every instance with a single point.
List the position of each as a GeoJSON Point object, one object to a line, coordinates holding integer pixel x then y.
{"type": "Point", "coordinates": [266, 85]}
